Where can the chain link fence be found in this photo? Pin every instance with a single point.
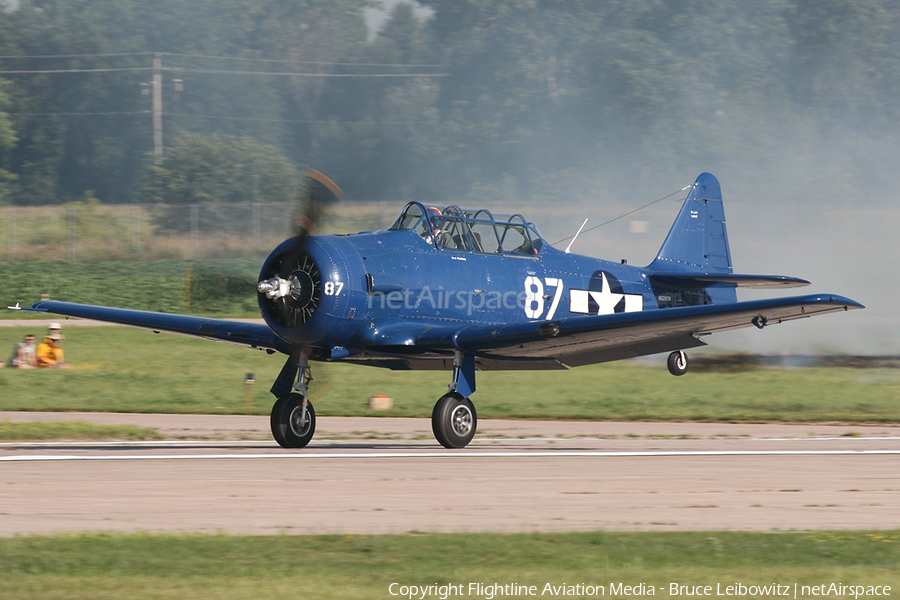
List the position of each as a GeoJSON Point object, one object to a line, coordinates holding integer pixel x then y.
{"type": "Point", "coordinates": [99, 232]}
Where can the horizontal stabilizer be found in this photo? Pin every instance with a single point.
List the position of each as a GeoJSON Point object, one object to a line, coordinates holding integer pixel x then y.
{"type": "Point", "coordinates": [703, 280]}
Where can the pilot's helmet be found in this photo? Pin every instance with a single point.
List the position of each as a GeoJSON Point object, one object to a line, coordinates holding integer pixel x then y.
{"type": "Point", "coordinates": [435, 218]}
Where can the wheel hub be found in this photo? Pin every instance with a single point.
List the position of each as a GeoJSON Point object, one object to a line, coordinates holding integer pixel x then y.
{"type": "Point", "coordinates": [461, 420]}
{"type": "Point", "coordinates": [299, 421]}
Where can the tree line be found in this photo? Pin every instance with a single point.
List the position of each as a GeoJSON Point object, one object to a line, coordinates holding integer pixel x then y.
{"type": "Point", "coordinates": [501, 98]}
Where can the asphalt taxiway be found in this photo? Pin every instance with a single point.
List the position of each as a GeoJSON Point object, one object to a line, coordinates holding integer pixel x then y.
{"type": "Point", "coordinates": [385, 475]}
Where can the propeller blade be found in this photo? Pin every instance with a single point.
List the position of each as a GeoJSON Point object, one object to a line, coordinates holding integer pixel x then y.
{"type": "Point", "coordinates": [318, 194]}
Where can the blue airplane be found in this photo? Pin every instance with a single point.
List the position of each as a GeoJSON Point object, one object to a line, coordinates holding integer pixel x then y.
{"type": "Point", "coordinates": [466, 290]}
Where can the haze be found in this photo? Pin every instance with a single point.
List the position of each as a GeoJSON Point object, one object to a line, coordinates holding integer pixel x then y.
{"type": "Point", "coordinates": [558, 110]}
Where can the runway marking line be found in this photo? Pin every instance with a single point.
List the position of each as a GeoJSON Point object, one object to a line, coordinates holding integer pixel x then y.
{"type": "Point", "coordinates": [217, 442]}
{"type": "Point", "coordinates": [452, 455]}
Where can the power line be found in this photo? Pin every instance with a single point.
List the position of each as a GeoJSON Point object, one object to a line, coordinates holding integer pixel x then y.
{"type": "Point", "coordinates": [157, 83]}
{"type": "Point", "coordinates": [210, 57]}
{"type": "Point", "coordinates": [79, 114]}
{"type": "Point", "coordinates": [97, 55]}
{"type": "Point", "coordinates": [221, 72]}
{"type": "Point", "coordinates": [222, 117]}
{"type": "Point", "coordinates": [314, 122]}
{"type": "Point", "coordinates": [289, 74]}
{"type": "Point", "coordinates": [107, 70]}
{"type": "Point", "coordinates": [301, 62]}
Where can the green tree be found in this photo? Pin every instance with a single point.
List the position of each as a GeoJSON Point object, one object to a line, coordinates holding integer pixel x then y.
{"type": "Point", "coordinates": [381, 137]}
{"type": "Point", "coordinates": [7, 143]}
{"type": "Point", "coordinates": [89, 130]}
{"type": "Point", "coordinates": [543, 86]}
{"type": "Point", "coordinates": [217, 168]}
{"type": "Point", "coordinates": [846, 61]}
{"type": "Point", "coordinates": [537, 93]}
{"type": "Point", "coordinates": [312, 38]}
{"type": "Point", "coordinates": [216, 171]}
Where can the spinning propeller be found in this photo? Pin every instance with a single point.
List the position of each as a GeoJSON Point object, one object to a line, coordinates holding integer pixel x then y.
{"type": "Point", "coordinates": [292, 283]}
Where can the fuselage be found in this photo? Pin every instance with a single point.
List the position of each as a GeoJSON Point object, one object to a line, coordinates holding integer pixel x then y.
{"type": "Point", "coordinates": [382, 288]}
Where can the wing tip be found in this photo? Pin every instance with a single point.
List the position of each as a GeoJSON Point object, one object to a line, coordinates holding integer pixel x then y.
{"type": "Point", "coordinates": [835, 299]}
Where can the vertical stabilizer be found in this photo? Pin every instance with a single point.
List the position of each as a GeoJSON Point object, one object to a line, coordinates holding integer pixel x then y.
{"type": "Point", "coordinates": [698, 241]}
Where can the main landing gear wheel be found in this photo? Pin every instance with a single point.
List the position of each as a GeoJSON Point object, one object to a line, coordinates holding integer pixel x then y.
{"type": "Point", "coordinates": [292, 426]}
{"type": "Point", "coordinates": [678, 363]}
{"type": "Point", "coordinates": [453, 421]}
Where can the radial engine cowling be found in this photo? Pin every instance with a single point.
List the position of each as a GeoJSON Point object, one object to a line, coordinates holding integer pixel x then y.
{"type": "Point", "coordinates": [305, 290]}
{"type": "Point", "coordinates": [293, 291]}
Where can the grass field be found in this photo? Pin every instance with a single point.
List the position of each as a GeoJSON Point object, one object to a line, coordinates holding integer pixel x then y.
{"type": "Point", "coordinates": [73, 430]}
{"type": "Point", "coordinates": [358, 567]}
{"type": "Point", "coordinates": [211, 286]}
{"type": "Point", "coordinates": [121, 369]}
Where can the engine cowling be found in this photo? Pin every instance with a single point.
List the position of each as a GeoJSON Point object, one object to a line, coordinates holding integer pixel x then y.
{"type": "Point", "coordinates": [310, 291]}
{"type": "Point", "coordinates": [293, 290]}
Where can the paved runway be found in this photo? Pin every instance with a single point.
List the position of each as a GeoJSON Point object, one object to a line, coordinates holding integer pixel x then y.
{"type": "Point", "coordinates": [381, 475]}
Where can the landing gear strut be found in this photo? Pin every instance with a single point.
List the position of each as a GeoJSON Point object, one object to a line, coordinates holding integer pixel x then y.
{"type": "Point", "coordinates": [454, 420]}
{"type": "Point", "coordinates": [293, 418]}
{"type": "Point", "coordinates": [678, 363]}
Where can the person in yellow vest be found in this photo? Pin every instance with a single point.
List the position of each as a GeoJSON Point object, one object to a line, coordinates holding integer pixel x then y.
{"type": "Point", "coordinates": [50, 353]}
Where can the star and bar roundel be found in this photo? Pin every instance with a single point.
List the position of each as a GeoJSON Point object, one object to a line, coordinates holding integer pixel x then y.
{"type": "Point", "coordinates": [604, 296]}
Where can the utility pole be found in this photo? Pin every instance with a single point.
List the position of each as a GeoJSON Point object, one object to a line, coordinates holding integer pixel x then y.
{"type": "Point", "coordinates": [157, 109]}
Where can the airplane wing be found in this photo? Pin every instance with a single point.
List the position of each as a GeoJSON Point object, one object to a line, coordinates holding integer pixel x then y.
{"type": "Point", "coordinates": [252, 335]}
{"type": "Point", "coordinates": [559, 344]}
{"type": "Point", "coordinates": [579, 341]}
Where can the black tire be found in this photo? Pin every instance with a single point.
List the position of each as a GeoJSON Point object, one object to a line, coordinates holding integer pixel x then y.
{"type": "Point", "coordinates": [454, 421]}
{"type": "Point", "coordinates": [678, 363]}
{"type": "Point", "coordinates": [274, 423]}
{"type": "Point", "coordinates": [288, 429]}
{"type": "Point", "coordinates": [435, 423]}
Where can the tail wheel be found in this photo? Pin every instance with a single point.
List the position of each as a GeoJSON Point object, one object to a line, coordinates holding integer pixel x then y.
{"type": "Point", "coordinates": [293, 425]}
{"type": "Point", "coordinates": [454, 421]}
{"type": "Point", "coordinates": [678, 363]}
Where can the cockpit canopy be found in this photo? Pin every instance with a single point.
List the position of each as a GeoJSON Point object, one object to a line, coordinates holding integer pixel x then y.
{"type": "Point", "coordinates": [467, 230]}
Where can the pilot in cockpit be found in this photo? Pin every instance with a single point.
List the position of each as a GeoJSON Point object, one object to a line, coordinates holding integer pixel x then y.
{"type": "Point", "coordinates": [433, 221]}
{"type": "Point", "coordinates": [444, 231]}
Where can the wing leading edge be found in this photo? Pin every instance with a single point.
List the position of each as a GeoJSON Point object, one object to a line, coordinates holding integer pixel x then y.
{"type": "Point", "coordinates": [252, 335]}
